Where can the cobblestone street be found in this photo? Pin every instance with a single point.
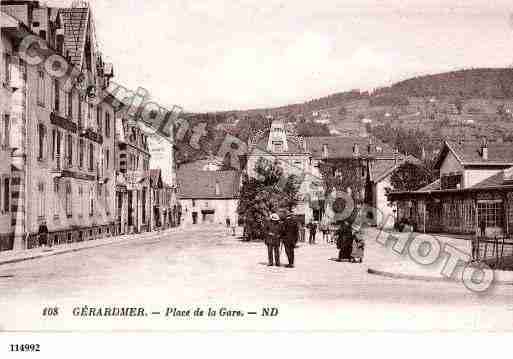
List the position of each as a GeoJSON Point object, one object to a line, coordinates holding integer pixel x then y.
{"type": "Point", "coordinates": [205, 267]}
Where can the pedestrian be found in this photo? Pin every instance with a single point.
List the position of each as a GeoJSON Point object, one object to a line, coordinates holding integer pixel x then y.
{"type": "Point", "coordinates": [43, 235]}
{"type": "Point", "coordinates": [325, 233]}
{"type": "Point", "coordinates": [290, 237]}
{"type": "Point", "coordinates": [482, 227]}
{"type": "Point", "coordinates": [301, 230]}
{"type": "Point", "coordinates": [344, 241]}
{"type": "Point", "coordinates": [312, 226]}
{"type": "Point", "coordinates": [272, 240]}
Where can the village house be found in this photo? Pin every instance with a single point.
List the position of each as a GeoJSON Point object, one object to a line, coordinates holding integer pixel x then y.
{"type": "Point", "coordinates": [207, 194]}
{"type": "Point", "coordinates": [474, 192]}
{"type": "Point", "coordinates": [60, 146]}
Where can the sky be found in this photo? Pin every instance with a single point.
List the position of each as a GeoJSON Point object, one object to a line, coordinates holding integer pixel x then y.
{"type": "Point", "coordinates": [214, 55]}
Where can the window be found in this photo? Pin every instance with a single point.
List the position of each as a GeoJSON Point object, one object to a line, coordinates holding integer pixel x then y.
{"type": "Point", "coordinates": [90, 115]}
{"type": "Point", "coordinates": [107, 124]}
{"type": "Point", "coordinates": [70, 105]}
{"type": "Point", "coordinates": [491, 212]}
{"type": "Point", "coordinates": [41, 141]}
{"type": "Point", "coordinates": [91, 157]}
{"type": "Point", "coordinates": [81, 154]}
{"type": "Point", "coordinates": [54, 139]}
{"type": "Point", "coordinates": [70, 151]}
{"type": "Point", "coordinates": [451, 181]}
{"type": "Point", "coordinates": [81, 201]}
{"type": "Point", "coordinates": [41, 88]}
{"type": "Point", "coordinates": [57, 96]}
{"type": "Point", "coordinates": [69, 202]}
{"type": "Point", "coordinates": [41, 200]}
{"type": "Point", "coordinates": [91, 201]}
{"type": "Point", "coordinates": [80, 124]}
{"type": "Point", "coordinates": [7, 194]}
{"type": "Point", "coordinates": [7, 68]}
{"type": "Point", "coordinates": [107, 158]}
{"type": "Point", "coordinates": [56, 199]}
{"type": "Point", "coordinates": [194, 203]}
{"type": "Point", "coordinates": [6, 131]}
{"type": "Point", "coordinates": [99, 122]}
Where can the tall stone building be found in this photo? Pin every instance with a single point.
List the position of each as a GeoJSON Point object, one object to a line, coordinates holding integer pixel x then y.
{"type": "Point", "coordinates": [59, 137]}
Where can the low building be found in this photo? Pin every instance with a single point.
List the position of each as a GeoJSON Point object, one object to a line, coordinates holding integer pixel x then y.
{"type": "Point", "coordinates": [208, 197]}
{"type": "Point", "coordinates": [475, 190]}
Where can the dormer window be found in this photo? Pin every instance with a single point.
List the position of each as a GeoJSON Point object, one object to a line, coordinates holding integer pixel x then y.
{"type": "Point", "coordinates": [277, 146]}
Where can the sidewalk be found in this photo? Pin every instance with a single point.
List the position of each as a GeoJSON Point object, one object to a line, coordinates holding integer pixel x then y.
{"type": "Point", "coordinates": [9, 257]}
{"type": "Point", "coordinates": [384, 261]}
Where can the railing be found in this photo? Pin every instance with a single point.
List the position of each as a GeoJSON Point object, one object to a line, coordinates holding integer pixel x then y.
{"type": "Point", "coordinates": [493, 251]}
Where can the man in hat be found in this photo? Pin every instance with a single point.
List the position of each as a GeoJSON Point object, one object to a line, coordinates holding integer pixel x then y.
{"type": "Point", "coordinates": [272, 240]}
{"type": "Point", "coordinates": [290, 237]}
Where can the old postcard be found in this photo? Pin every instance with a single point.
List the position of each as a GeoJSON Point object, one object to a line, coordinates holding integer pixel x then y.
{"type": "Point", "coordinates": [170, 166]}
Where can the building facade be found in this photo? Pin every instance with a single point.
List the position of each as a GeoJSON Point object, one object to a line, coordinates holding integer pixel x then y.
{"type": "Point", "coordinates": [208, 196]}
{"type": "Point", "coordinates": [62, 147]}
{"type": "Point", "coordinates": [474, 193]}
{"type": "Point", "coordinates": [133, 187]}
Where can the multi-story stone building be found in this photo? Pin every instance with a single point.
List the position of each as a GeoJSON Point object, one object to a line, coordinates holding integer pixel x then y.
{"type": "Point", "coordinates": [133, 180]}
{"type": "Point", "coordinates": [61, 148]}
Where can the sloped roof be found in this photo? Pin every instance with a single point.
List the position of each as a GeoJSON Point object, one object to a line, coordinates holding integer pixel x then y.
{"type": "Point", "coordinates": [434, 186]}
{"type": "Point", "coordinates": [492, 181]}
{"type": "Point", "coordinates": [382, 167]}
{"type": "Point", "coordinates": [75, 29]}
{"type": "Point", "coordinates": [469, 152]}
{"type": "Point", "coordinates": [342, 146]}
{"type": "Point", "coordinates": [202, 184]}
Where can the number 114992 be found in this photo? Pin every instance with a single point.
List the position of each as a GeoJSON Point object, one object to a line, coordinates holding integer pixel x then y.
{"type": "Point", "coordinates": [24, 348]}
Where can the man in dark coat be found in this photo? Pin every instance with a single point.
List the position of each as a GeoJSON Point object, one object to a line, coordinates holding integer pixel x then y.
{"type": "Point", "coordinates": [312, 226]}
{"type": "Point", "coordinates": [290, 237]}
{"type": "Point", "coordinates": [272, 240]}
{"type": "Point", "coordinates": [43, 235]}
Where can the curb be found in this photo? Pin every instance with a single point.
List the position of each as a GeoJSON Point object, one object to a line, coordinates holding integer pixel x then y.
{"type": "Point", "coordinates": [65, 251]}
{"type": "Point", "coordinates": [425, 278]}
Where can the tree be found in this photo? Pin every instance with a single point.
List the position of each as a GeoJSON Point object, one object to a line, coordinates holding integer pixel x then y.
{"type": "Point", "coordinates": [411, 177]}
{"type": "Point", "coordinates": [269, 191]}
{"type": "Point", "coordinates": [312, 129]}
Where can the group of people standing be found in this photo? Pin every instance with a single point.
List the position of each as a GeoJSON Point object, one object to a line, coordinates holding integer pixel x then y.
{"type": "Point", "coordinates": [281, 231]}
{"type": "Point", "coordinates": [286, 230]}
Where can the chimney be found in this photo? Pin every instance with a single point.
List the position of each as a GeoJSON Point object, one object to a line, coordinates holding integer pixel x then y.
{"type": "Point", "coordinates": [484, 150]}
{"type": "Point", "coordinates": [356, 150]}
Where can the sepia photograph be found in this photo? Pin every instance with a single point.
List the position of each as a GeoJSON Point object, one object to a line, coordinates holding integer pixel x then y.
{"type": "Point", "coordinates": [237, 166]}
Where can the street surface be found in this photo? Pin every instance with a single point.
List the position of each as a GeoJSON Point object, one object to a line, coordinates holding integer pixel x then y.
{"type": "Point", "coordinates": [205, 267]}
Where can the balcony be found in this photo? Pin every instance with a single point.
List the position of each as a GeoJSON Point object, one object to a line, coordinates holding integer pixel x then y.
{"type": "Point", "coordinates": [90, 134]}
{"type": "Point", "coordinates": [63, 122]}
